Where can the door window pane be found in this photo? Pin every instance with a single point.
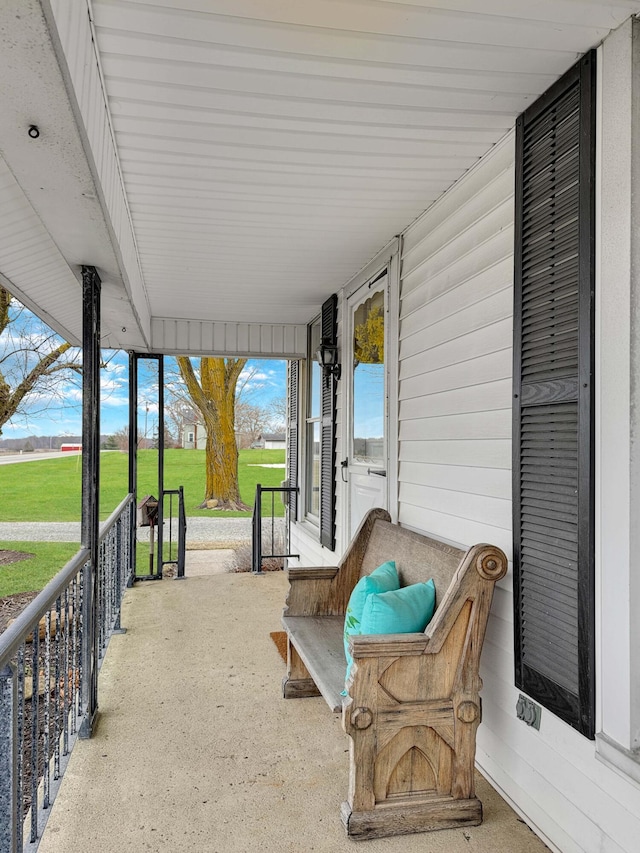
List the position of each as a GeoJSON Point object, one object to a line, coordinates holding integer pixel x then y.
{"type": "Point", "coordinates": [368, 381]}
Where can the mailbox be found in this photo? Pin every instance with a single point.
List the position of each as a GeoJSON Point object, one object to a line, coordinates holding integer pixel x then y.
{"type": "Point", "coordinates": [147, 511]}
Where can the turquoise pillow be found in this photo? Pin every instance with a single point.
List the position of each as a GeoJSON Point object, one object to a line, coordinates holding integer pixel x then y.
{"type": "Point", "coordinates": [383, 579]}
{"type": "Point", "coordinates": [400, 611]}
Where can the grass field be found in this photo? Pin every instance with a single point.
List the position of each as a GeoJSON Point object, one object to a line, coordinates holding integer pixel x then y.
{"type": "Point", "coordinates": [26, 575]}
{"type": "Point", "coordinates": [47, 560]}
{"type": "Point", "coordinates": [50, 489]}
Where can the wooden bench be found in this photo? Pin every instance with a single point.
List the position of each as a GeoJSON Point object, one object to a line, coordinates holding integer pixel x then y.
{"type": "Point", "coordinates": [412, 707]}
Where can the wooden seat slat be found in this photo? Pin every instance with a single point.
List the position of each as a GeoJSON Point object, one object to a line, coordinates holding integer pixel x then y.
{"type": "Point", "coordinates": [319, 642]}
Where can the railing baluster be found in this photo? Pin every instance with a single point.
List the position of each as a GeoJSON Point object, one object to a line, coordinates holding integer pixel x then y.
{"type": "Point", "coordinates": [35, 713]}
{"type": "Point", "coordinates": [46, 697]}
{"type": "Point", "coordinates": [66, 687]}
{"type": "Point", "coordinates": [181, 534]}
{"type": "Point", "coordinates": [75, 672]}
{"type": "Point", "coordinates": [80, 632]}
{"type": "Point", "coordinates": [258, 554]}
{"type": "Point", "coordinates": [273, 522]}
{"type": "Point", "coordinates": [56, 692]}
{"type": "Point", "coordinates": [9, 814]}
{"type": "Point", "coordinates": [100, 595]}
{"type": "Point", "coordinates": [19, 805]}
{"type": "Point", "coordinates": [118, 565]}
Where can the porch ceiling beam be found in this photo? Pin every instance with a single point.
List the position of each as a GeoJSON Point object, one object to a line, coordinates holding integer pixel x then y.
{"type": "Point", "coordinates": [250, 340]}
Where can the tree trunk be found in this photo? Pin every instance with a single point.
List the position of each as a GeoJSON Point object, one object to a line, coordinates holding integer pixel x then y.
{"type": "Point", "coordinates": [222, 458]}
{"type": "Point", "coordinates": [214, 395]}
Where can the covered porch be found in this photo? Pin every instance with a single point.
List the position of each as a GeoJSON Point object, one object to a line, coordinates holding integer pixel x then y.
{"type": "Point", "coordinates": [238, 768]}
{"type": "Point", "coordinates": [216, 173]}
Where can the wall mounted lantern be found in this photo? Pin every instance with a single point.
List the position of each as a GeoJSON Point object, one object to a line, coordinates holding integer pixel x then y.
{"type": "Point", "coordinates": [327, 358]}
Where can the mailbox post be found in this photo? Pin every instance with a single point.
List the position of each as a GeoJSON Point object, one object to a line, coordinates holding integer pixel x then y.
{"type": "Point", "coordinates": [148, 517]}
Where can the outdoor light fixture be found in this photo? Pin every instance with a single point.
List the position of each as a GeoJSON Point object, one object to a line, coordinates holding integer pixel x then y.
{"type": "Point", "coordinates": [327, 358]}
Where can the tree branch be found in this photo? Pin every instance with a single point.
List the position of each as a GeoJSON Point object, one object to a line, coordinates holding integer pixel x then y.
{"type": "Point", "coordinates": [5, 302]}
{"type": "Point", "coordinates": [233, 369]}
{"type": "Point", "coordinates": [41, 369]}
{"type": "Point", "coordinates": [191, 381]}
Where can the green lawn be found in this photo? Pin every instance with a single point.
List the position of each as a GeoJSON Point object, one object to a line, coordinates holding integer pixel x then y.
{"type": "Point", "coordinates": [49, 558]}
{"type": "Point", "coordinates": [50, 490]}
{"type": "Point", "coordinates": [35, 573]}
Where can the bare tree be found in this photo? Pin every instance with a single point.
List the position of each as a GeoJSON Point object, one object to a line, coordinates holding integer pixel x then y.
{"type": "Point", "coordinates": [121, 438]}
{"type": "Point", "coordinates": [33, 361]}
{"type": "Point", "coordinates": [278, 414]}
{"type": "Point", "coordinates": [178, 410]}
{"type": "Point", "coordinates": [251, 421]}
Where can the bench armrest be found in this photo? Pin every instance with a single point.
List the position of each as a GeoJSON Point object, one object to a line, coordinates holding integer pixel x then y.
{"type": "Point", "coordinates": [387, 645]}
{"type": "Point", "coordinates": [310, 591]}
{"type": "Point", "coordinates": [303, 573]}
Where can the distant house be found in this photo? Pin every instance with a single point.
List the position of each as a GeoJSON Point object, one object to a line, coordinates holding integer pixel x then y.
{"type": "Point", "coordinates": [194, 436]}
{"type": "Point", "coordinates": [271, 441]}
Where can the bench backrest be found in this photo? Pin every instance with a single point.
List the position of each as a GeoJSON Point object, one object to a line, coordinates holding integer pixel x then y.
{"type": "Point", "coordinates": [418, 558]}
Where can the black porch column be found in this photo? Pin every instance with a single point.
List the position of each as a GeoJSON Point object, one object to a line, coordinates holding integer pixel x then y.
{"type": "Point", "coordinates": [90, 490]}
{"type": "Point", "coordinates": [160, 521]}
{"type": "Point", "coordinates": [133, 455]}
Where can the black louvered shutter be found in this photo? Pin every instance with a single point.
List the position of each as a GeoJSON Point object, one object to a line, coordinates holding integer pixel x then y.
{"type": "Point", "coordinates": [329, 332]}
{"type": "Point", "coordinates": [553, 399]}
{"type": "Point", "coordinates": [292, 443]}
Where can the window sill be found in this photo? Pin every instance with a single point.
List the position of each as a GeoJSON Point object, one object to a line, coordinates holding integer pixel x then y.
{"type": "Point", "coordinates": [309, 528]}
{"type": "Point", "coordinates": [623, 761]}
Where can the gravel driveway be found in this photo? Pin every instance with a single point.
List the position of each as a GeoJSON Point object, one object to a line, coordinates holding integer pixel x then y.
{"type": "Point", "coordinates": [198, 530]}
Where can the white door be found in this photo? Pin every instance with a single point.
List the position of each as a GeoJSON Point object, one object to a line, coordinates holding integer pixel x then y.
{"type": "Point", "coordinates": [366, 465]}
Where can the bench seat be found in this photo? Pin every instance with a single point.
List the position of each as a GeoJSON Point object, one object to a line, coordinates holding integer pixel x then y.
{"type": "Point", "coordinates": [319, 642]}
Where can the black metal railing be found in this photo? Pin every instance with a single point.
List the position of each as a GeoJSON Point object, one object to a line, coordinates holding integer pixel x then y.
{"type": "Point", "coordinates": [42, 679]}
{"type": "Point", "coordinates": [177, 531]}
{"type": "Point", "coordinates": [270, 541]}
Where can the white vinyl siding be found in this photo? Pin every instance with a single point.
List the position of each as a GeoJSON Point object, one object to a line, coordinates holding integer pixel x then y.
{"type": "Point", "coordinates": [305, 542]}
{"type": "Point", "coordinates": [455, 360]}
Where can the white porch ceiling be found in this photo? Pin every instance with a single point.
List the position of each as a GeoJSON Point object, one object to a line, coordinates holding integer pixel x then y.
{"type": "Point", "coordinates": [269, 149]}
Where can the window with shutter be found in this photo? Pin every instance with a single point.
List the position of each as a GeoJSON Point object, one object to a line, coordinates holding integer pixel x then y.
{"type": "Point", "coordinates": [313, 424]}
{"type": "Point", "coordinates": [329, 330]}
{"type": "Point", "coordinates": [292, 445]}
{"type": "Point", "coordinates": [553, 457]}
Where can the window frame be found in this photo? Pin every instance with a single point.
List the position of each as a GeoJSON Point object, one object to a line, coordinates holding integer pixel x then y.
{"type": "Point", "coordinates": [325, 521]}
{"type": "Point", "coordinates": [310, 420]}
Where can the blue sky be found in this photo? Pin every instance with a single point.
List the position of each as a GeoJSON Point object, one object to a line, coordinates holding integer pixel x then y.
{"type": "Point", "coordinates": [54, 408]}
{"type": "Point", "coordinates": [368, 391]}
{"type": "Point", "coordinates": [60, 413]}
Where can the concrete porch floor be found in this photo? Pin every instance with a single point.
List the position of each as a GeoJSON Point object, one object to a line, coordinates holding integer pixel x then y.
{"type": "Point", "coordinates": [196, 750]}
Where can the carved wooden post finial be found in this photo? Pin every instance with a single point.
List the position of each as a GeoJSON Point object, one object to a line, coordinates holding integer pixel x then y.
{"type": "Point", "coordinates": [491, 563]}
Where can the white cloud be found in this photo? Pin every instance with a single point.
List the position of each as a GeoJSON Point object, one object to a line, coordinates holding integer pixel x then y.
{"type": "Point", "coordinates": [114, 401]}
